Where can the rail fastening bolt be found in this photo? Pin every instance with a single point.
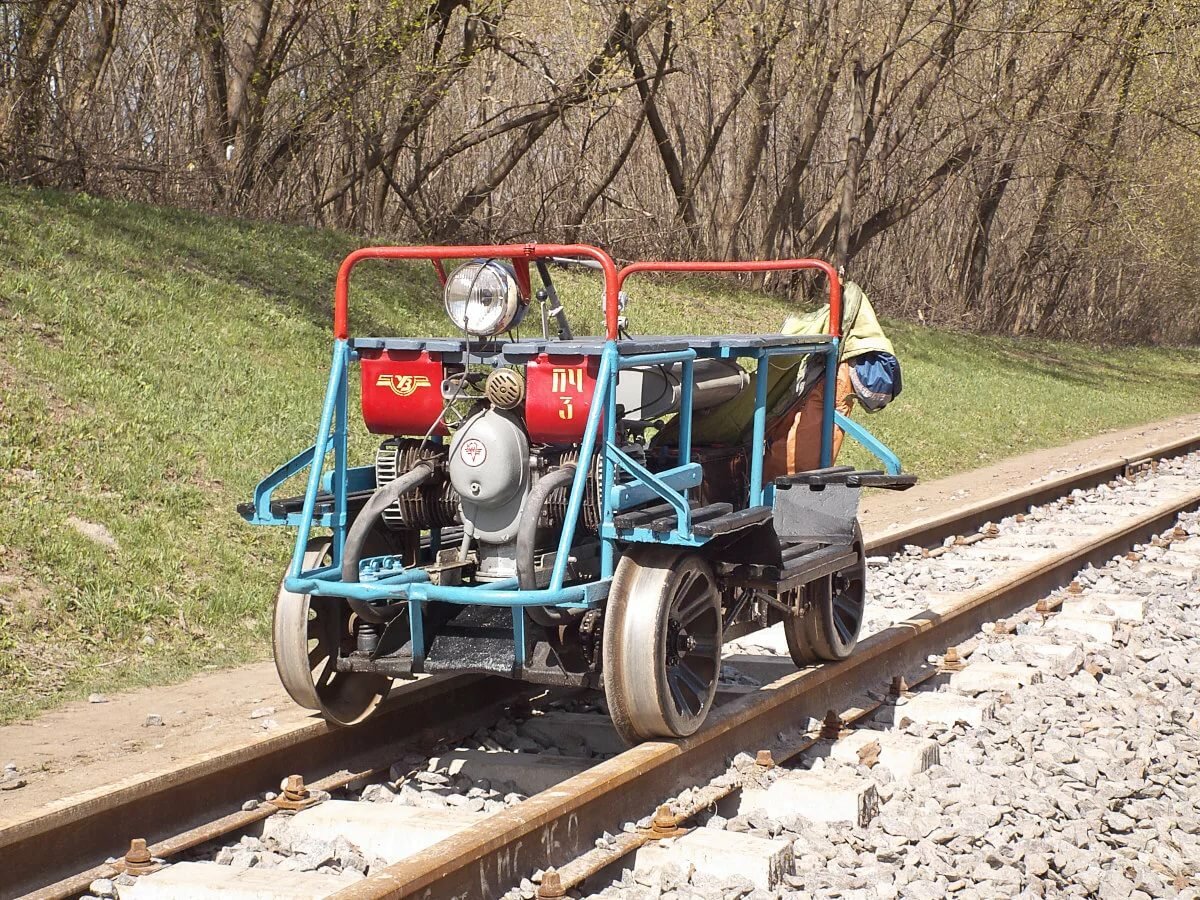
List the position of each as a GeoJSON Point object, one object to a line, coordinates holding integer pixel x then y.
{"type": "Point", "coordinates": [665, 824]}
{"type": "Point", "coordinates": [833, 726]}
{"type": "Point", "coordinates": [137, 858]}
{"type": "Point", "coordinates": [294, 789]}
{"type": "Point", "coordinates": [764, 759]}
{"type": "Point", "coordinates": [898, 687]}
{"type": "Point", "coordinates": [952, 662]}
{"type": "Point", "coordinates": [551, 887]}
{"type": "Point", "coordinates": [1074, 588]}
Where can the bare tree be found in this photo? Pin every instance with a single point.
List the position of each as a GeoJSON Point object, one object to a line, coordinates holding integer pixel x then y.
{"type": "Point", "coordinates": [1016, 165]}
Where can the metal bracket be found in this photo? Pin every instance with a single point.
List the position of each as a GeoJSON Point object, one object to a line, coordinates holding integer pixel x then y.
{"type": "Point", "coordinates": [1136, 467]}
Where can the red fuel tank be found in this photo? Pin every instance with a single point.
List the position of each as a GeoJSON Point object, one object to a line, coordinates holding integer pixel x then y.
{"type": "Point", "coordinates": [558, 396]}
{"type": "Point", "coordinates": [401, 391]}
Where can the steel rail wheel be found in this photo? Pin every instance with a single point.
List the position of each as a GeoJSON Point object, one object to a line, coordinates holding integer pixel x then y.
{"type": "Point", "coordinates": [827, 630]}
{"type": "Point", "coordinates": [308, 635]}
{"type": "Point", "coordinates": [662, 643]}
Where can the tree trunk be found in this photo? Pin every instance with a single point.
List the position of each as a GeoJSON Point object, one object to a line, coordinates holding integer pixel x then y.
{"type": "Point", "coordinates": [23, 109]}
{"type": "Point", "coordinates": [854, 161]}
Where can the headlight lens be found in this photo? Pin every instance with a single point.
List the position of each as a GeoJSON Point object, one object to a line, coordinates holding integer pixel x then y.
{"type": "Point", "coordinates": [482, 297]}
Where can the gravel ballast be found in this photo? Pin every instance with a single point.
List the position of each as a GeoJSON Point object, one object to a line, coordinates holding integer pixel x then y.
{"type": "Point", "coordinates": [1083, 784]}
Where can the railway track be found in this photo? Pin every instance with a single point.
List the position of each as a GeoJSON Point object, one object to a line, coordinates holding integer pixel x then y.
{"type": "Point", "coordinates": [516, 835]}
{"type": "Point", "coordinates": [1052, 753]}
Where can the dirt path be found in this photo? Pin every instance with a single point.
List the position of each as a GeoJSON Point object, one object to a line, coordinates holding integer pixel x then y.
{"type": "Point", "coordinates": [84, 745]}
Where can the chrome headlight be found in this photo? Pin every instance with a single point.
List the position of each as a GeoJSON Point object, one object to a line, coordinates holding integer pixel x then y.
{"type": "Point", "coordinates": [483, 298]}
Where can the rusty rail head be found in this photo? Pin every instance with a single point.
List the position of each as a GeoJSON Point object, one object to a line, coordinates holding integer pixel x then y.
{"type": "Point", "coordinates": [560, 824]}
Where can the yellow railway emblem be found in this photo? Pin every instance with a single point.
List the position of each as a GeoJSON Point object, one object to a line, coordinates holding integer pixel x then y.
{"type": "Point", "coordinates": [403, 385]}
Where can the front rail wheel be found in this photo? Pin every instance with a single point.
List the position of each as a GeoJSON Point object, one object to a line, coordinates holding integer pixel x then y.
{"type": "Point", "coordinates": [662, 644]}
{"type": "Point", "coordinates": [309, 633]}
{"type": "Point", "coordinates": [827, 630]}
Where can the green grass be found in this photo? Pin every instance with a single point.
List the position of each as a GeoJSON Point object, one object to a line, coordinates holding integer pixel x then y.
{"type": "Point", "coordinates": [157, 363]}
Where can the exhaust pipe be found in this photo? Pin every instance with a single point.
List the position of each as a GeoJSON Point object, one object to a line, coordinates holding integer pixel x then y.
{"type": "Point", "coordinates": [527, 541]}
{"type": "Point", "coordinates": [363, 523]}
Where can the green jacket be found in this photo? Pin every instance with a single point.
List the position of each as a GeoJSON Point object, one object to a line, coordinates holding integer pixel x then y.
{"type": "Point", "coordinates": [791, 377]}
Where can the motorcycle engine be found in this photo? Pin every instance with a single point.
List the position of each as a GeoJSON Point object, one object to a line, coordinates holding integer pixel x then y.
{"type": "Point", "coordinates": [489, 468]}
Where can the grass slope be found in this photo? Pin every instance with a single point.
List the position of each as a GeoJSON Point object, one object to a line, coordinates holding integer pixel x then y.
{"type": "Point", "coordinates": [156, 363]}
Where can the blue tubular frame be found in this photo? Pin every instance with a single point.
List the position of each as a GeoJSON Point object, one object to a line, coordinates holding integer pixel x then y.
{"type": "Point", "coordinates": [876, 447]}
{"type": "Point", "coordinates": [335, 405]}
{"type": "Point", "coordinates": [641, 485]}
{"type": "Point", "coordinates": [265, 488]}
{"type": "Point", "coordinates": [624, 482]}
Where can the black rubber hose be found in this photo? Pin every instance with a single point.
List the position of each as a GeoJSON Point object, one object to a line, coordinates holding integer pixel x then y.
{"type": "Point", "coordinates": [527, 529]}
{"type": "Point", "coordinates": [363, 523]}
{"type": "Point", "coordinates": [527, 538]}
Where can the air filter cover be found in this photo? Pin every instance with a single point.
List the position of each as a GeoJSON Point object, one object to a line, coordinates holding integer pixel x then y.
{"type": "Point", "coordinates": [505, 388]}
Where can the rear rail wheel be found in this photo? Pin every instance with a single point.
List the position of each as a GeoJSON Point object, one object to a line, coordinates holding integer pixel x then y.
{"type": "Point", "coordinates": [662, 643]}
{"type": "Point", "coordinates": [309, 633]}
{"type": "Point", "coordinates": [827, 630]}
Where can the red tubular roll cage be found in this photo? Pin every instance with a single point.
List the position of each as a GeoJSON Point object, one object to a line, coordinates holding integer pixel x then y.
{"type": "Point", "coordinates": [614, 280]}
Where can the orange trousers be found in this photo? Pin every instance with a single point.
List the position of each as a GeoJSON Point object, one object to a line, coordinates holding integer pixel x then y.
{"type": "Point", "coordinates": [794, 439]}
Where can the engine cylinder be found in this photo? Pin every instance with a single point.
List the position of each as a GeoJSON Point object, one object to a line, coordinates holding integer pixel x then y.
{"type": "Point", "coordinates": [434, 504]}
{"type": "Point", "coordinates": [555, 508]}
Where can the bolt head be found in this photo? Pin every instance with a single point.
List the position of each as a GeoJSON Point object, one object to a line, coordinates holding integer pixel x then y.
{"type": "Point", "coordinates": [551, 886]}
{"type": "Point", "coordinates": [138, 851]}
{"type": "Point", "coordinates": [294, 789]}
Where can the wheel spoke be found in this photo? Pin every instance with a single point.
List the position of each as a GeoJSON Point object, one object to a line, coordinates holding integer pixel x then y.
{"type": "Point", "coordinates": [695, 612]}
{"type": "Point", "coordinates": [316, 656]}
{"type": "Point", "coordinates": [693, 683]}
{"type": "Point", "coordinates": [681, 704]}
{"type": "Point", "coordinates": [846, 616]}
{"type": "Point", "coordinates": [844, 632]}
{"type": "Point", "coordinates": [847, 605]}
{"type": "Point", "coordinates": [697, 595]}
{"type": "Point", "coordinates": [683, 589]}
{"type": "Point", "coordinates": [327, 674]}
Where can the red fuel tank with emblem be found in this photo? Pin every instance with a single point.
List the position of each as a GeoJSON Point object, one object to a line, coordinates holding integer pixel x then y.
{"type": "Point", "coordinates": [402, 391]}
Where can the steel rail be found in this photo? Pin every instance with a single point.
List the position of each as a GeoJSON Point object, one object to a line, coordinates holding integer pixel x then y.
{"type": "Point", "coordinates": [971, 516]}
{"type": "Point", "coordinates": [198, 801]}
{"type": "Point", "coordinates": [201, 800]}
{"type": "Point", "coordinates": [557, 825]}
